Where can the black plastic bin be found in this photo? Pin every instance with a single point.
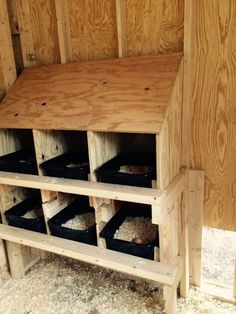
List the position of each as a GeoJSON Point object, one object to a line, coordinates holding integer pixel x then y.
{"type": "Point", "coordinates": [14, 215]}
{"type": "Point", "coordinates": [109, 172]}
{"type": "Point", "coordinates": [22, 161]}
{"type": "Point", "coordinates": [79, 206]}
{"type": "Point", "coordinates": [60, 166]}
{"type": "Point", "coordinates": [129, 210]}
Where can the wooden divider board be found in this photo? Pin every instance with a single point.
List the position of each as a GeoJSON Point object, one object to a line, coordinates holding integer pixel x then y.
{"type": "Point", "coordinates": [11, 141]}
{"type": "Point", "coordinates": [10, 196]}
{"type": "Point", "coordinates": [102, 147]}
{"type": "Point", "coordinates": [48, 144]}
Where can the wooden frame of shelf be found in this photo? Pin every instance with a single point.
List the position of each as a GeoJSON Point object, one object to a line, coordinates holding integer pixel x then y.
{"type": "Point", "coordinates": [150, 111]}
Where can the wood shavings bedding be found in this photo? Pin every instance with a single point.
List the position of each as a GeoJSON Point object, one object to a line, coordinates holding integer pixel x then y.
{"type": "Point", "coordinates": [61, 285]}
{"type": "Point", "coordinates": [129, 169]}
{"type": "Point", "coordinates": [33, 213]}
{"type": "Point", "coordinates": [137, 229]}
{"type": "Point", "coordinates": [77, 165]}
{"type": "Point", "coordinates": [81, 222]}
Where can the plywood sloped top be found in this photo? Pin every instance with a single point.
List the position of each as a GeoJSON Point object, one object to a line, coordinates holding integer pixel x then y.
{"type": "Point", "coordinates": [123, 95]}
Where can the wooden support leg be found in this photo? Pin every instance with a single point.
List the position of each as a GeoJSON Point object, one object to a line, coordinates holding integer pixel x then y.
{"type": "Point", "coordinates": [234, 291]}
{"type": "Point", "coordinates": [4, 273]}
{"type": "Point", "coordinates": [168, 234]}
{"type": "Point", "coordinates": [170, 297]}
{"type": "Point", "coordinates": [195, 214]}
{"type": "Point", "coordinates": [16, 260]}
{"type": "Point", "coordinates": [184, 243]}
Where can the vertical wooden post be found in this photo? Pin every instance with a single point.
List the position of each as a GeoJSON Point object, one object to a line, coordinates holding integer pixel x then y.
{"type": "Point", "coordinates": [7, 61]}
{"type": "Point", "coordinates": [4, 271]}
{"type": "Point", "coordinates": [121, 28]}
{"type": "Point", "coordinates": [63, 28]}
{"type": "Point", "coordinates": [196, 202]}
{"type": "Point", "coordinates": [7, 78]}
{"type": "Point", "coordinates": [26, 36]}
{"type": "Point", "coordinates": [184, 237]}
{"type": "Point", "coordinates": [16, 260]}
{"type": "Point", "coordinates": [234, 291]}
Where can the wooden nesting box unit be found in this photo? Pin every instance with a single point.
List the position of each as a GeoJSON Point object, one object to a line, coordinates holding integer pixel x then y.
{"type": "Point", "coordinates": [105, 108]}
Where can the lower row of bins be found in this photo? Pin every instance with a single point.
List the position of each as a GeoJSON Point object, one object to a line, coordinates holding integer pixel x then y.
{"type": "Point", "coordinates": [139, 242]}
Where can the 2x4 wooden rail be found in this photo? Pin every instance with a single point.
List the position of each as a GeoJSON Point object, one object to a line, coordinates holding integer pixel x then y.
{"type": "Point", "coordinates": [144, 268]}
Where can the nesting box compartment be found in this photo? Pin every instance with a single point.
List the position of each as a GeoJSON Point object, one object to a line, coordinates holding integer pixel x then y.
{"type": "Point", "coordinates": [71, 165]}
{"type": "Point", "coordinates": [79, 206]}
{"type": "Point", "coordinates": [15, 215]}
{"type": "Point", "coordinates": [141, 164]}
{"type": "Point", "coordinates": [22, 161]}
{"type": "Point", "coordinates": [108, 232]}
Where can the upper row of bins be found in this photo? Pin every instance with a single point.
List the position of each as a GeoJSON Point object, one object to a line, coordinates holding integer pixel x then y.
{"type": "Point", "coordinates": [134, 165]}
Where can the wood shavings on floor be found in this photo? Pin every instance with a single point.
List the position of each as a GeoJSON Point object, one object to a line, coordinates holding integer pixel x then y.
{"type": "Point", "coordinates": [219, 252]}
{"type": "Point", "coordinates": [63, 286]}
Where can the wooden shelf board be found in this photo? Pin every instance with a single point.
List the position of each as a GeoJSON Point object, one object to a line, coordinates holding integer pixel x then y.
{"type": "Point", "coordinates": [121, 262]}
{"type": "Point", "coordinates": [123, 95]}
{"type": "Point", "coordinates": [96, 189]}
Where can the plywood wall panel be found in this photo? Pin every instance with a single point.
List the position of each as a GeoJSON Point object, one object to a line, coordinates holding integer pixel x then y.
{"type": "Point", "coordinates": [154, 26]}
{"type": "Point", "coordinates": [93, 29]}
{"type": "Point", "coordinates": [212, 83]}
{"type": "Point", "coordinates": [170, 137]}
{"type": "Point", "coordinates": [2, 82]}
{"type": "Point", "coordinates": [7, 62]}
{"type": "Point", "coordinates": [44, 29]}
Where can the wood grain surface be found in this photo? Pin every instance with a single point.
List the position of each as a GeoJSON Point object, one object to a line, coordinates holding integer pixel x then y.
{"type": "Point", "coordinates": [63, 27]}
{"type": "Point", "coordinates": [124, 95]}
{"type": "Point", "coordinates": [212, 36]}
{"type": "Point", "coordinates": [93, 29]}
{"type": "Point", "coordinates": [170, 138]}
{"type": "Point", "coordinates": [26, 35]}
{"type": "Point", "coordinates": [7, 62]}
{"type": "Point", "coordinates": [121, 23]}
{"type": "Point", "coordinates": [44, 30]}
{"type": "Point", "coordinates": [2, 81]}
{"type": "Point", "coordinates": [154, 26]}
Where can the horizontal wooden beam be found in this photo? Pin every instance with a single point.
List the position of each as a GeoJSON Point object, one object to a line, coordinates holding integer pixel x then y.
{"type": "Point", "coordinates": [219, 292]}
{"type": "Point", "coordinates": [96, 189]}
{"type": "Point", "coordinates": [117, 261]}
